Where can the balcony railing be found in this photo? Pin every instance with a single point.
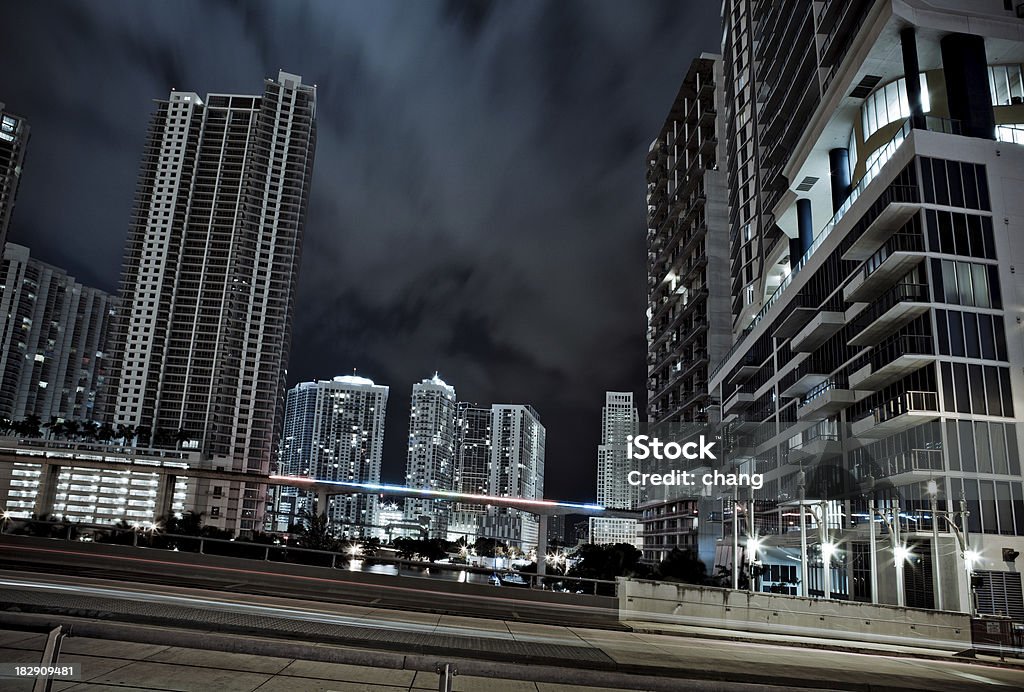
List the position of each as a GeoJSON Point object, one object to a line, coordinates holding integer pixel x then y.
{"type": "Point", "coordinates": [894, 193]}
{"type": "Point", "coordinates": [908, 402]}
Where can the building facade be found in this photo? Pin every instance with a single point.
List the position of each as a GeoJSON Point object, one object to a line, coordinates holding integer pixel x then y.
{"type": "Point", "coordinates": [208, 283]}
{"type": "Point", "coordinates": [53, 333]}
{"type": "Point", "coordinates": [619, 421]}
{"type": "Point", "coordinates": [878, 384]}
{"type": "Point", "coordinates": [687, 249]}
{"type": "Point", "coordinates": [472, 468]}
{"type": "Point", "coordinates": [517, 470]}
{"type": "Point", "coordinates": [333, 431]}
{"type": "Point", "coordinates": [431, 454]}
{"type": "Point", "coordinates": [14, 133]}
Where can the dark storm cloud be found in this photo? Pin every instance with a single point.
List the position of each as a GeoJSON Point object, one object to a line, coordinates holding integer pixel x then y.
{"type": "Point", "coordinates": [478, 197]}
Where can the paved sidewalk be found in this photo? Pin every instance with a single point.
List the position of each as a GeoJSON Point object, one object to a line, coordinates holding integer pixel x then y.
{"type": "Point", "coordinates": [129, 667]}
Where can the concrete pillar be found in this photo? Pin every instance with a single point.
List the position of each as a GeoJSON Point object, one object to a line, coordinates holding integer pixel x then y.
{"type": "Point", "coordinates": [912, 71]}
{"type": "Point", "coordinates": [839, 175]}
{"type": "Point", "coordinates": [47, 492]}
{"type": "Point", "coordinates": [164, 497]}
{"type": "Point", "coordinates": [805, 229]}
{"type": "Point", "coordinates": [542, 545]}
{"type": "Point", "coordinates": [966, 70]}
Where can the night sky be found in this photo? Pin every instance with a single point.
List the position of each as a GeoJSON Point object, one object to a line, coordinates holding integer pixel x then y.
{"type": "Point", "coordinates": [477, 205]}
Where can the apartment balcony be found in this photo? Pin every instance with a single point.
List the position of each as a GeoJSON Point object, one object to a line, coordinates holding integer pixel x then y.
{"type": "Point", "coordinates": [819, 330]}
{"type": "Point", "coordinates": [910, 409]}
{"type": "Point", "coordinates": [802, 313]}
{"type": "Point", "coordinates": [804, 383]}
{"type": "Point", "coordinates": [901, 202]}
{"type": "Point", "coordinates": [908, 467]}
{"type": "Point", "coordinates": [818, 448]}
{"type": "Point", "coordinates": [890, 263]}
{"type": "Point", "coordinates": [892, 361]}
{"type": "Point", "coordinates": [827, 399]}
{"type": "Point", "coordinates": [739, 400]}
{"type": "Point", "coordinates": [745, 369]}
{"type": "Point", "coordinates": [895, 308]}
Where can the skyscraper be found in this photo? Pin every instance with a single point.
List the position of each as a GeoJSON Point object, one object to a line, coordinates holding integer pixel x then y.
{"type": "Point", "coordinates": [333, 430]}
{"type": "Point", "coordinates": [431, 456]}
{"type": "Point", "coordinates": [472, 468]}
{"type": "Point", "coordinates": [208, 283]}
{"type": "Point", "coordinates": [619, 420]}
{"type": "Point", "coordinates": [52, 341]}
{"type": "Point", "coordinates": [881, 368]}
{"type": "Point", "coordinates": [687, 249]}
{"type": "Point", "coordinates": [517, 470]}
{"type": "Point", "coordinates": [14, 132]}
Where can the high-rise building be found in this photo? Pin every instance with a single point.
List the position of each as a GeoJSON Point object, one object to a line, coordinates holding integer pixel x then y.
{"type": "Point", "coordinates": [881, 369]}
{"type": "Point", "coordinates": [687, 249]}
{"type": "Point", "coordinates": [619, 421]}
{"type": "Point", "coordinates": [333, 431]}
{"type": "Point", "coordinates": [472, 468]}
{"type": "Point", "coordinates": [431, 457]}
{"type": "Point", "coordinates": [208, 283]}
{"type": "Point", "coordinates": [52, 339]}
{"type": "Point", "coordinates": [517, 470]}
{"type": "Point", "coordinates": [14, 132]}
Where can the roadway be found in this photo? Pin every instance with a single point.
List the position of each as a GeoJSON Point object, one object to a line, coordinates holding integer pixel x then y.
{"type": "Point", "coordinates": [238, 575]}
{"type": "Point", "coordinates": [622, 659]}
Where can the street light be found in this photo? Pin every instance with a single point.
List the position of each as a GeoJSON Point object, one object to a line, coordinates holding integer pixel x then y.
{"type": "Point", "coordinates": [753, 545]}
{"type": "Point", "coordinates": [901, 554]}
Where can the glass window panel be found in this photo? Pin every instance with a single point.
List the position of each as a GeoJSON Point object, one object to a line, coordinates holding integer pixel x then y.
{"type": "Point", "coordinates": [952, 446]}
{"type": "Point", "coordinates": [1012, 456]}
{"type": "Point", "coordinates": [947, 241]}
{"type": "Point", "coordinates": [952, 296]}
{"type": "Point", "coordinates": [956, 186]}
{"type": "Point", "coordinates": [993, 289]}
{"type": "Point", "coordinates": [971, 335]}
{"type": "Point", "coordinates": [962, 387]}
{"type": "Point", "coordinates": [981, 445]}
{"type": "Point", "coordinates": [956, 334]}
{"type": "Point", "coordinates": [1004, 508]}
{"type": "Point", "coordinates": [998, 438]}
{"type": "Point", "coordinates": [963, 280]}
{"type": "Point", "coordinates": [904, 104]}
{"type": "Point", "coordinates": [948, 397]}
{"type": "Point", "coordinates": [933, 230]}
{"type": "Point", "coordinates": [926, 98]}
{"type": "Point", "coordinates": [987, 334]}
{"type": "Point", "coordinates": [965, 431]}
{"type": "Point", "coordinates": [978, 404]}
{"type": "Point", "coordinates": [1018, 508]}
{"type": "Point", "coordinates": [992, 86]}
{"type": "Point", "coordinates": [941, 187]}
{"type": "Point", "coordinates": [980, 275]}
{"type": "Point", "coordinates": [926, 180]}
{"type": "Point", "coordinates": [1000, 338]}
{"type": "Point", "coordinates": [942, 331]}
{"type": "Point", "coordinates": [970, 188]}
{"type": "Point", "coordinates": [1004, 386]}
{"type": "Point", "coordinates": [979, 172]}
{"type": "Point", "coordinates": [973, 505]}
{"type": "Point", "coordinates": [986, 232]}
{"type": "Point", "coordinates": [972, 233]}
{"type": "Point", "coordinates": [892, 100]}
{"type": "Point", "coordinates": [988, 507]}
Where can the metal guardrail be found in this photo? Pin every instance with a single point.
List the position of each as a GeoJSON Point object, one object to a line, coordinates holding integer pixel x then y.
{"type": "Point", "coordinates": [266, 552]}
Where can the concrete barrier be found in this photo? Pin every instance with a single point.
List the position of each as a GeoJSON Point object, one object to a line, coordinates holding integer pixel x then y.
{"type": "Point", "coordinates": [743, 611]}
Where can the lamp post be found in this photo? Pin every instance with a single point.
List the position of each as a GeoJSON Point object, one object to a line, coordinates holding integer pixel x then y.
{"type": "Point", "coordinates": [735, 538]}
{"type": "Point", "coordinates": [752, 546]}
{"type": "Point", "coordinates": [933, 495]}
{"type": "Point", "coordinates": [801, 482]}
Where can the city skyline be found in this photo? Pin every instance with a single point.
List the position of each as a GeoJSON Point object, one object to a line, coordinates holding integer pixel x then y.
{"type": "Point", "coordinates": [501, 302]}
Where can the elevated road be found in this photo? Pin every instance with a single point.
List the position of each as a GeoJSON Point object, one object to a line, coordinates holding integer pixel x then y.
{"type": "Point", "coordinates": [384, 638]}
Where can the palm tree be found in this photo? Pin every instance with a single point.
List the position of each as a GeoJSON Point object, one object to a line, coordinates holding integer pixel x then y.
{"type": "Point", "coordinates": [31, 426]}
{"type": "Point", "coordinates": [125, 433]}
{"type": "Point", "coordinates": [90, 431]}
{"type": "Point", "coordinates": [181, 437]}
{"type": "Point", "coordinates": [72, 428]}
{"type": "Point", "coordinates": [143, 435]}
{"type": "Point", "coordinates": [106, 433]}
{"type": "Point", "coordinates": [316, 532]}
{"type": "Point", "coordinates": [6, 426]}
